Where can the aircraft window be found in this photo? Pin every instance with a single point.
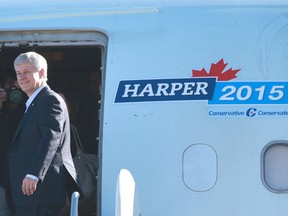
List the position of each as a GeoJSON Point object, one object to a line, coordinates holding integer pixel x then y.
{"type": "Point", "coordinates": [199, 167]}
{"type": "Point", "coordinates": [275, 167]}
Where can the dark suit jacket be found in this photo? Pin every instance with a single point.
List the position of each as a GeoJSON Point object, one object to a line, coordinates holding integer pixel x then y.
{"type": "Point", "coordinates": [9, 120]}
{"type": "Point", "coordinates": [41, 147]}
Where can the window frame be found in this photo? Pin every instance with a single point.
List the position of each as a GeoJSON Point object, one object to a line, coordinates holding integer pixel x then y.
{"type": "Point", "coordinates": [262, 161]}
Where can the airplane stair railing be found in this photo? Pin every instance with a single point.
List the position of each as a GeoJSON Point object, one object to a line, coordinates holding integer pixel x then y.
{"type": "Point", "coordinates": [74, 204]}
{"type": "Point", "coordinates": [127, 200]}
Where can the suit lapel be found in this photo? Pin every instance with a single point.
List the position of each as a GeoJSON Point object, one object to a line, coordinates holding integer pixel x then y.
{"type": "Point", "coordinates": [29, 111]}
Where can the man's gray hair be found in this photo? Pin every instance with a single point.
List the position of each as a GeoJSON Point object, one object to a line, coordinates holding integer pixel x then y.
{"type": "Point", "coordinates": [38, 61]}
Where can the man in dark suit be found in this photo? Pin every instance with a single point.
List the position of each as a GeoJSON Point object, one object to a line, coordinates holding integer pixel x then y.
{"type": "Point", "coordinates": [39, 157]}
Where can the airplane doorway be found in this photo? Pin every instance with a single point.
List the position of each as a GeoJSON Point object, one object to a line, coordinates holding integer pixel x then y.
{"type": "Point", "coordinates": [75, 61]}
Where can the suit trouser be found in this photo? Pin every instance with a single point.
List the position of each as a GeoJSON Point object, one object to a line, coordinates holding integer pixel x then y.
{"type": "Point", "coordinates": [4, 209]}
{"type": "Point", "coordinates": [50, 209]}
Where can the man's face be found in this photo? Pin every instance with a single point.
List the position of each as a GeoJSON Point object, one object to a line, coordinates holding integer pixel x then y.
{"type": "Point", "coordinates": [29, 78]}
{"type": "Point", "coordinates": [11, 82]}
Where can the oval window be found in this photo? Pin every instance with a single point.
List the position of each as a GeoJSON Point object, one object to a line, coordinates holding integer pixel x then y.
{"type": "Point", "coordinates": [199, 167]}
{"type": "Point", "coordinates": [275, 167]}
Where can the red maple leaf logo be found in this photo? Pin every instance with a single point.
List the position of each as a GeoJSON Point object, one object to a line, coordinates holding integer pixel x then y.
{"type": "Point", "coordinates": [217, 70]}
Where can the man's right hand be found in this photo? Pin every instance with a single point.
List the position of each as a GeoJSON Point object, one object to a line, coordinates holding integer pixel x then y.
{"type": "Point", "coordinates": [3, 97]}
{"type": "Point", "coordinates": [29, 185]}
